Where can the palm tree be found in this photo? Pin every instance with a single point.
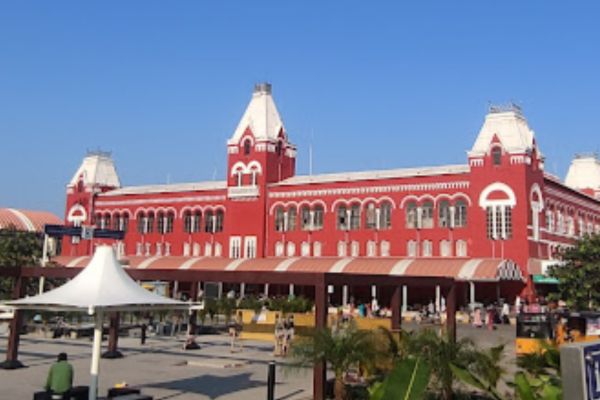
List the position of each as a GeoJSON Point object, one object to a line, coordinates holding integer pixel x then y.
{"type": "Point", "coordinates": [342, 350]}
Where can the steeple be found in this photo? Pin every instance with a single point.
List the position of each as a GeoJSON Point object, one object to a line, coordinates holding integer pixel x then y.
{"type": "Point", "coordinates": [97, 170]}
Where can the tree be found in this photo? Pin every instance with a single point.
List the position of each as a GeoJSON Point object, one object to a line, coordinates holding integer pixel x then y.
{"type": "Point", "coordinates": [342, 350]}
{"type": "Point", "coordinates": [17, 249]}
{"type": "Point", "coordinates": [579, 274]}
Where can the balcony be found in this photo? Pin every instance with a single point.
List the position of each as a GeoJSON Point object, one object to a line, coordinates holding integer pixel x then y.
{"type": "Point", "coordinates": [242, 191]}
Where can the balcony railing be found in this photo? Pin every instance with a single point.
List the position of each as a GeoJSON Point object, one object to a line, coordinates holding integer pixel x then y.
{"type": "Point", "coordinates": [242, 191]}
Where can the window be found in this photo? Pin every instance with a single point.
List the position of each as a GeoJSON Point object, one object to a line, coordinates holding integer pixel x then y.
{"type": "Point", "coordinates": [342, 217]}
{"type": "Point", "coordinates": [355, 217]}
{"type": "Point", "coordinates": [445, 248]}
{"type": "Point", "coordinates": [427, 248]}
{"type": "Point", "coordinates": [116, 225]}
{"type": "Point", "coordinates": [247, 147]}
{"type": "Point", "coordinates": [461, 248]}
{"type": "Point", "coordinates": [499, 222]}
{"type": "Point", "coordinates": [208, 249]}
{"type": "Point", "coordinates": [125, 222]}
{"type": "Point", "coordinates": [150, 224]}
{"type": "Point", "coordinates": [571, 226]}
{"type": "Point", "coordinates": [371, 216]}
{"type": "Point", "coordinates": [141, 223]}
{"type": "Point", "coordinates": [305, 223]}
{"type": "Point", "coordinates": [160, 222]}
{"type": "Point", "coordinates": [106, 222]}
{"type": "Point", "coordinates": [355, 249]}
{"type": "Point", "coordinates": [291, 249]}
{"type": "Point", "coordinates": [80, 186]}
{"type": "Point", "coordinates": [371, 249]}
{"type": "Point", "coordinates": [250, 247]}
{"type": "Point", "coordinates": [581, 227]}
{"type": "Point", "coordinates": [444, 216]}
{"type": "Point", "coordinates": [235, 247]}
{"type": "Point", "coordinates": [411, 248]}
{"type": "Point", "coordinates": [209, 222]}
{"type": "Point", "coordinates": [170, 218]}
{"type": "Point", "coordinates": [279, 219]}
{"type": "Point", "coordinates": [158, 249]}
{"type": "Point", "coordinates": [460, 213]}
{"type": "Point", "coordinates": [148, 249]}
{"type": "Point", "coordinates": [560, 222]}
{"type": "Point", "coordinates": [497, 155]}
{"type": "Point", "coordinates": [427, 215]}
{"type": "Point", "coordinates": [385, 248]}
{"type": "Point", "coordinates": [279, 148]}
{"type": "Point", "coordinates": [507, 223]}
{"type": "Point", "coordinates": [318, 218]}
{"type": "Point", "coordinates": [196, 249]}
{"type": "Point", "coordinates": [138, 249]}
{"type": "Point", "coordinates": [239, 178]}
{"type": "Point", "coordinates": [197, 222]}
{"type": "Point", "coordinates": [342, 249]}
{"type": "Point", "coordinates": [292, 217]}
{"type": "Point", "coordinates": [411, 215]}
{"type": "Point", "coordinates": [186, 249]}
{"type": "Point", "coordinates": [167, 249]}
{"type": "Point", "coordinates": [187, 222]}
{"type": "Point", "coordinates": [279, 249]}
{"type": "Point", "coordinates": [254, 177]}
{"type": "Point", "coordinates": [385, 216]}
{"type": "Point", "coordinates": [219, 221]}
{"type": "Point", "coordinates": [317, 248]}
{"type": "Point", "coordinates": [305, 249]}
{"type": "Point", "coordinates": [218, 250]}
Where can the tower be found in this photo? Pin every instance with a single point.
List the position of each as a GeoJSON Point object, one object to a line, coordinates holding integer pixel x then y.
{"type": "Point", "coordinates": [97, 174]}
{"type": "Point", "coordinates": [259, 154]}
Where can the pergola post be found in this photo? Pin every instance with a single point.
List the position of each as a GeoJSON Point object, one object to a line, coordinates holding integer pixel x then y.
{"type": "Point", "coordinates": [451, 312]}
{"type": "Point", "coordinates": [321, 309]}
{"type": "Point", "coordinates": [396, 312]}
{"type": "Point", "coordinates": [193, 313]}
{"type": "Point", "coordinates": [12, 352]}
{"type": "Point", "coordinates": [404, 298]}
{"type": "Point", "coordinates": [113, 337]}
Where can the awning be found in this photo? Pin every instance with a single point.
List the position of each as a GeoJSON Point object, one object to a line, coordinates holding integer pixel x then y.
{"type": "Point", "coordinates": [538, 269]}
{"type": "Point", "coordinates": [480, 269]}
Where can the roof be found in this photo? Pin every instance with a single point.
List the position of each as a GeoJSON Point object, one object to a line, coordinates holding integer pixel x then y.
{"type": "Point", "coordinates": [261, 117]}
{"type": "Point", "coordinates": [457, 268]}
{"type": "Point", "coordinates": [97, 169]}
{"type": "Point", "coordinates": [508, 124]}
{"type": "Point", "coordinates": [26, 220]}
{"type": "Point", "coordinates": [584, 173]}
{"type": "Point", "coordinates": [174, 188]}
{"type": "Point", "coordinates": [375, 175]}
{"type": "Point", "coordinates": [103, 284]}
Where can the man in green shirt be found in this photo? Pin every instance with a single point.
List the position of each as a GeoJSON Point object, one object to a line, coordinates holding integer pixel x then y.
{"type": "Point", "coordinates": [60, 377]}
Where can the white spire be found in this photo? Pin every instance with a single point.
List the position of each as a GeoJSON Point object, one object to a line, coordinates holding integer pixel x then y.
{"type": "Point", "coordinates": [508, 124]}
{"type": "Point", "coordinates": [261, 117]}
{"type": "Point", "coordinates": [97, 169]}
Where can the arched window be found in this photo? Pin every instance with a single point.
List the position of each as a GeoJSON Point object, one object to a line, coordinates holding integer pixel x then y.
{"type": "Point", "coordinates": [220, 220]}
{"type": "Point", "coordinates": [80, 186]}
{"type": "Point", "coordinates": [385, 216]}
{"type": "Point", "coordinates": [411, 215]}
{"type": "Point", "coordinates": [254, 175]}
{"type": "Point", "coordinates": [106, 222]}
{"type": "Point", "coordinates": [342, 249]}
{"type": "Point", "coordinates": [355, 249]}
{"type": "Point", "coordinates": [385, 248]}
{"type": "Point", "coordinates": [116, 225]}
{"type": "Point", "coordinates": [247, 147]}
{"type": "Point", "coordinates": [460, 213]}
{"type": "Point", "coordinates": [461, 248]}
{"type": "Point", "coordinates": [305, 249]}
{"type": "Point", "coordinates": [355, 216]}
{"type": "Point", "coordinates": [292, 217]}
{"type": "Point", "coordinates": [317, 249]}
{"type": "Point", "coordinates": [187, 222]}
{"type": "Point", "coordinates": [150, 224]}
{"type": "Point", "coordinates": [445, 248]}
{"type": "Point", "coordinates": [411, 248]}
{"type": "Point", "coordinates": [279, 219]}
{"type": "Point", "coordinates": [125, 222]}
{"type": "Point", "coordinates": [371, 216]}
{"type": "Point", "coordinates": [444, 217]}
{"type": "Point", "coordinates": [371, 249]}
{"type": "Point", "coordinates": [141, 223]}
{"type": "Point", "coordinates": [318, 219]}
{"type": "Point", "coordinates": [239, 176]}
{"type": "Point", "coordinates": [427, 248]}
{"type": "Point", "coordinates": [279, 249]}
{"type": "Point", "coordinates": [279, 148]}
{"type": "Point", "coordinates": [291, 249]}
{"type": "Point", "coordinates": [197, 222]}
{"type": "Point", "coordinates": [427, 214]}
{"type": "Point", "coordinates": [170, 219]}
{"type": "Point", "coordinates": [342, 217]}
{"type": "Point", "coordinates": [160, 223]}
{"type": "Point", "coordinates": [497, 155]}
{"type": "Point", "coordinates": [305, 218]}
{"type": "Point", "coordinates": [209, 222]}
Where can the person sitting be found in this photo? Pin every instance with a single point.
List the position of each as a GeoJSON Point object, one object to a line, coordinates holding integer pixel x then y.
{"type": "Point", "coordinates": [190, 344]}
{"type": "Point", "coordinates": [60, 378]}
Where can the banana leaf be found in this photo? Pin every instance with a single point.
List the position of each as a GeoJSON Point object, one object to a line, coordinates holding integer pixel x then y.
{"type": "Point", "coordinates": [524, 389]}
{"type": "Point", "coordinates": [407, 381]}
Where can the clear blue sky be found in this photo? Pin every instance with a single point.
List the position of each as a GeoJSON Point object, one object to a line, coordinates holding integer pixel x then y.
{"type": "Point", "coordinates": [378, 84]}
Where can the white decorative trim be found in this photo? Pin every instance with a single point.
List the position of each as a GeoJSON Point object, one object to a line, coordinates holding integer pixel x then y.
{"type": "Point", "coordinates": [77, 207]}
{"type": "Point", "coordinates": [260, 147]}
{"type": "Point", "coordinates": [146, 263]}
{"type": "Point", "coordinates": [468, 269]}
{"type": "Point", "coordinates": [581, 202]}
{"type": "Point", "coordinates": [188, 199]}
{"type": "Point", "coordinates": [497, 186]}
{"type": "Point", "coordinates": [187, 265]}
{"type": "Point", "coordinates": [232, 266]}
{"type": "Point", "coordinates": [339, 266]}
{"type": "Point", "coordinates": [372, 189]}
{"type": "Point", "coordinates": [535, 188]}
{"type": "Point", "coordinates": [233, 149]}
{"type": "Point", "coordinates": [401, 266]}
{"type": "Point", "coordinates": [76, 261]}
{"type": "Point", "coordinates": [476, 162]}
{"type": "Point", "coordinates": [286, 264]}
{"type": "Point", "coordinates": [518, 159]}
{"type": "Point", "coordinates": [254, 164]}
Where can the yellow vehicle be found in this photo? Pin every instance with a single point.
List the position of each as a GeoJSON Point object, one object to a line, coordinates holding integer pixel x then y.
{"type": "Point", "coordinates": [531, 329]}
{"type": "Point", "coordinates": [578, 327]}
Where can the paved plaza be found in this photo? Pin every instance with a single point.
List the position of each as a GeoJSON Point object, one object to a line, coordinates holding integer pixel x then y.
{"type": "Point", "coordinates": [160, 368]}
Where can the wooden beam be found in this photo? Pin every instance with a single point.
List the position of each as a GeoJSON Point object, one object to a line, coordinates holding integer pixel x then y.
{"type": "Point", "coordinates": [321, 310]}
{"type": "Point", "coordinates": [451, 312]}
{"type": "Point", "coordinates": [113, 337]}
{"type": "Point", "coordinates": [396, 306]}
{"type": "Point", "coordinates": [16, 324]}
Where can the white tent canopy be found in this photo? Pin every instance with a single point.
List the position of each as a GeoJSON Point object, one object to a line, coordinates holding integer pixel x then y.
{"type": "Point", "coordinates": [103, 286]}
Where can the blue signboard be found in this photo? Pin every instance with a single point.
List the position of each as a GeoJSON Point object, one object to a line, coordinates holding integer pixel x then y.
{"type": "Point", "coordinates": [591, 355]}
{"type": "Point", "coordinates": [84, 233]}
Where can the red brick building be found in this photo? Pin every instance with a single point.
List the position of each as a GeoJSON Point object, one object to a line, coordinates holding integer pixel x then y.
{"type": "Point", "coordinates": [498, 217]}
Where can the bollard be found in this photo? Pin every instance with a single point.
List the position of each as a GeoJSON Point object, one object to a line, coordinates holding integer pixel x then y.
{"type": "Point", "coordinates": [271, 381]}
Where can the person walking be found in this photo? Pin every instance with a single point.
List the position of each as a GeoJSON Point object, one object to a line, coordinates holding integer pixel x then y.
{"type": "Point", "coordinates": [60, 378]}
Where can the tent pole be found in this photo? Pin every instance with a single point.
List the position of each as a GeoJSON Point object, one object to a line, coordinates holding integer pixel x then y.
{"type": "Point", "coordinates": [93, 394]}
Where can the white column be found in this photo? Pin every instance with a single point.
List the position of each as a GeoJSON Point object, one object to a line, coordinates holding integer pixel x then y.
{"type": "Point", "coordinates": [503, 221]}
{"type": "Point", "coordinates": [345, 295]}
{"type": "Point", "coordinates": [374, 291]}
{"type": "Point", "coordinates": [175, 289]}
{"type": "Point", "coordinates": [472, 290]}
{"type": "Point", "coordinates": [242, 290]}
{"type": "Point", "coordinates": [291, 292]}
{"type": "Point", "coordinates": [44, 261]}
{"type": "Point", "coordinates": [267, 289]}
{"type": "Point", "coordinates": [494, 222]}
{"type": "Point", "coordinates": [404, 298]}
{"type": "Point", "coordinates": [93, 393]}
{"type": "Point", "coordinates": [438, 298]}
{"type": "Point", "coordinates": [220, 290]}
